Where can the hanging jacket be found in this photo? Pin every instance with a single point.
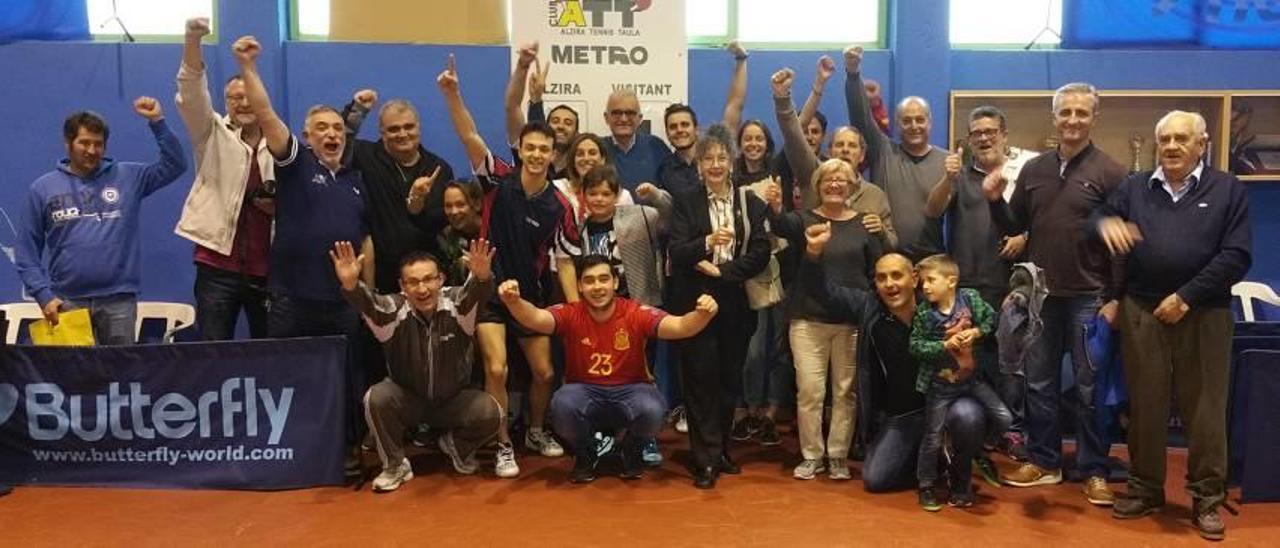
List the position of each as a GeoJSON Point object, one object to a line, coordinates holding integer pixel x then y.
{"type": "Point", "coordinates": [1020, 324]}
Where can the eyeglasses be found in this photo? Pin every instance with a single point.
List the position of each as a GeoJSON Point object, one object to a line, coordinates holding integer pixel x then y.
{"type": "Point", "coordinates": [620, 113]}
{"type": "Point", "coordinates": [836, 180]}
{"type": "Point", "coordinates": [415, 282]}
{"type": "Point", "coordinates": [980, 133]}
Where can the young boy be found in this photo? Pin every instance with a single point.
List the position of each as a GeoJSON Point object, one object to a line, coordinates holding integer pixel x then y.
{"type": "Point", "coordinates": [944, 335]}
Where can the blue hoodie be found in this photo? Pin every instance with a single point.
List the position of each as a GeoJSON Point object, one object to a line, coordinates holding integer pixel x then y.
{"type": "Point", "coordinates": [78, 237]}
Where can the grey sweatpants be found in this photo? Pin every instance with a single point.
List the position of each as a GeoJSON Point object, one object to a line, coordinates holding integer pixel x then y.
{"type": "Point", "coordinates": [472, 415]}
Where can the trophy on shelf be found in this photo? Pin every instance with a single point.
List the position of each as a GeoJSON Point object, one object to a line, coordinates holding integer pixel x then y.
{"type": "Point", "coordinates": [1136, 143]}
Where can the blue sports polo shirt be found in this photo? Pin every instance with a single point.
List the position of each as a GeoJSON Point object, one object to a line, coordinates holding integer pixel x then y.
{"type": "Point", "coordinates": [315, 207]}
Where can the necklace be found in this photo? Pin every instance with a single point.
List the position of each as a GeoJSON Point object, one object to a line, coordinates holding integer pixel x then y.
{"type": "Point", "coordinates": [403, 178]}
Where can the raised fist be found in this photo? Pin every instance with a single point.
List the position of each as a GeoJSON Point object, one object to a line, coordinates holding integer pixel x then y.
{"type": "Point", "coordinates": [853, 59]}
{"type": "Point", "coordinates": [198, 27]}
{"type": "Point", "coordinates": [148, 107]}
{"type": "Point", "coordinates": [366, 98]}
{"type": "Point", "coordinates": [782, 81]}
{"type": "Point", "coordinates": [826, 67]}
{"type": "Point", "coordinates": [736, 49]}
{"type": "Point", "coordinates": [246, 49]}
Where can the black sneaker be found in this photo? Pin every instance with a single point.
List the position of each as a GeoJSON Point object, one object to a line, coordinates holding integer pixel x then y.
{"type": "Point", "coordinates": [421, 436]}
{"type": "Point", "coordinates": [987, 469]}
{"type": "Point", "coordinates": [929, 500]}
{"type": "Point", "coordinates": [745, 428]}
{"type": "Point", "coordinates": [584, 470]}
{"type": "Point", "coordinates": [352, 467]}
{"type": "Point", "coordinates": [768, 434]}
{"type": "Point", "coordinates": [1127, 507]}
{"type": "Point", "coordinates": [960, 500]}
{"type": "Point", "coordinates": [632, 461]}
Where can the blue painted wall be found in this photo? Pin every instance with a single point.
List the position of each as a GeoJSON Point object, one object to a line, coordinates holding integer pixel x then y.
{"type": "Point", "coordinates": [43, 82]}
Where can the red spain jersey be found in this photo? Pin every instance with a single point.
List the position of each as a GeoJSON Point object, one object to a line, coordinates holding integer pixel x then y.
{"type": "Point", "coordinates": [609, 352]}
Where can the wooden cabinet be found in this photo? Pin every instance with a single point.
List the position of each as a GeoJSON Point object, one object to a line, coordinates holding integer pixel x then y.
{"type": "Point", "coordinates": [1254, 135]}
{"type": "Point", "coordinates": [1126, 123]}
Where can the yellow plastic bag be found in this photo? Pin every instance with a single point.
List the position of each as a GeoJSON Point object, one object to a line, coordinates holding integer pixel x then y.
{"type": "Point", "coordinates": [73, 329]}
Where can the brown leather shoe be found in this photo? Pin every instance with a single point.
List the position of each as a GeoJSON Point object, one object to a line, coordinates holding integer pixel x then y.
{"type": "Point", "coordinates": [1029, 475]}
{"type": "Point", "coordinates": [1210, 526]}
{"type": "Point", "coordinates": [1097, 492]}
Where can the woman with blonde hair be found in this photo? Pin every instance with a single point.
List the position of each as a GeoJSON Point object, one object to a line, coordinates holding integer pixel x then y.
{"type": "Point", "coordinates": [817, 337]}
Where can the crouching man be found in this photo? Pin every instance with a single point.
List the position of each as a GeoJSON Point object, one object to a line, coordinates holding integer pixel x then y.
{"type": "Point", "coordinates": [426, 331]}
{"type": "Point", "coordinates": [608, 385]}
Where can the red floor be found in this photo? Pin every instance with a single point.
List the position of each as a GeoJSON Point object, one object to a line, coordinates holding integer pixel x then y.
{"type": "Point", "coordinates": [763, 507]}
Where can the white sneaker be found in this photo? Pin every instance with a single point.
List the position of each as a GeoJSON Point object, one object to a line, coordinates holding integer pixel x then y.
{"type": "Point", "coordinates": [543, 442]}
{"type": "Point", "coordinates": [466, 465]}
{"type": "Point", "coordinates": [808, 468]}
{"type": "Point", "coordinates": [504, 462]}
{"type": "Point", "coordinates": [392, 478]}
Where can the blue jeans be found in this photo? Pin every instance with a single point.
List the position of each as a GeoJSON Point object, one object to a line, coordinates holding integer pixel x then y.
{"type": "Point", "coordinates": [939, 400]}
{"type": "Point", "coordinates": [114, 317]}
{"type": "Point", "coordinates": [220, 294]}
{"type": "Point", "coordinates": [1064, 319]}
{"type": "Point", "coordinates": [893, 453]}
{"type": "Point", "coordinates": [768, 376]}
{"type": "Point", "coordinates": [579, 410]}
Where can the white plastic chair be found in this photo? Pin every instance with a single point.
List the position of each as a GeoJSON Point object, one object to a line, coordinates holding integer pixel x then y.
{"type": "Point", "coordinates": [15, 314]}
{"type": "Point", "coordinates": [1248, 291]}
{"type": "Point", "coordinates": [177, 316]}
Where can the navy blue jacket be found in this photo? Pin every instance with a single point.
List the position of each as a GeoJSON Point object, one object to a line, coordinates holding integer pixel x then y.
{"type": "Point", "coordinates": [1197, 247]}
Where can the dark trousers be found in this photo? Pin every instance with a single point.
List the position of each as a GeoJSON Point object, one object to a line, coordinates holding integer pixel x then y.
{"type": "Point", "coordinates": [1189, 360]}
{"type": "Point", "coordinates": [221, 295]}
{"type": "Point", "coordinates": [893, 453]}
{"type": "Point", "coordinates": [941, 398]}
{"type": "Point", "coordinates": [1064, 319]}
{"type": "Point", "coordinates": [471, 415]}
{"type": "Point", "coordinates": [578, 410]}
{"type": "Point", "coordinates": [711, 374]}
{"type": "Point", "coordinates": [289, 317]}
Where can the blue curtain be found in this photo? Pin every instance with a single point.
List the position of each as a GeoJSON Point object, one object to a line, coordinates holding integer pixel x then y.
{"type": "Point", "coordinates": [1220, 24]}
{"type": "Point", "coordinates": [44, 20]}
